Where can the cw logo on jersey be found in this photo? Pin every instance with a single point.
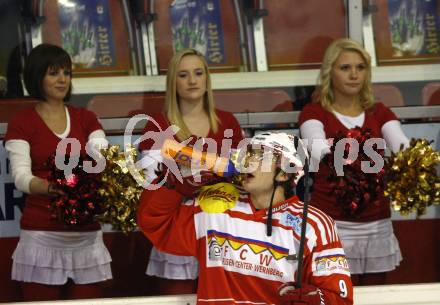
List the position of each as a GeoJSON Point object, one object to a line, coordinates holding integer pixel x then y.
{"type": "Point", "coordinates": [218, 239]}
{"type": "Point", "coordinates": [215, 250]}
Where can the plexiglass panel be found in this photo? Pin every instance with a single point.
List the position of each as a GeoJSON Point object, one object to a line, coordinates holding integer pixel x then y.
{"type": "Point", "coordinates": [298, 32]}
{"type": "Point", "coordinates": [11, 49]}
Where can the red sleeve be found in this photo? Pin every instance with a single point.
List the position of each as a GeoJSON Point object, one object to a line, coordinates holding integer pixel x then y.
{"type": "Point", "coordinates": [325, 263]}
{"type": "Point", "coordinates": [383, 114]}
{"type": "Point", "coordinates": [89, 121]}
{"type": "Point", "coordinates": [311, 111]}
{"type": "Point", "coordinates": [327, 268]}
{"type": "Point", "coordinates": [18, 127]}
{"type": "Point", "coordinates": [167, 223]}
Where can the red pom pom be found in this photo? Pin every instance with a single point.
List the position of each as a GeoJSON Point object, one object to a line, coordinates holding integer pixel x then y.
{"type": "Point", "coordinates": [78, 201]}
{"type": "Point", "coordinates": [355, 190]}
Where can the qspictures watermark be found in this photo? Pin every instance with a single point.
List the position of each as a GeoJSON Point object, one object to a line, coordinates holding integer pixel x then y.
{"type": "Point", "coordinates": [152, 159]}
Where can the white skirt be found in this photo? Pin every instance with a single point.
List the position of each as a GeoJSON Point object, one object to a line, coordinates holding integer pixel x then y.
{"type": "Point", "coordinates": [370, 247]}
{"type": "Point", "coordinates": [171, 266]}
{"type": "Point", "coordinates": [49, 257]}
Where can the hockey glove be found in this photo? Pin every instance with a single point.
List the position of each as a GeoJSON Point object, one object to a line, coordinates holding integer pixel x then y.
{"type": "Point", "coordinates": [307, 294]}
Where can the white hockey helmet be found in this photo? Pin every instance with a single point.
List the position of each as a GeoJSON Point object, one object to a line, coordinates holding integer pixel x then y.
{"type": "Point", "coordinates": [289, 147]}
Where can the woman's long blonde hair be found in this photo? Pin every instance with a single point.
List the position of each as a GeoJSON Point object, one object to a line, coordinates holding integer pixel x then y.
{"type": "Point", "coordinates": [172, 108]}
{"type": "Point", "coordinates": [325, 91]}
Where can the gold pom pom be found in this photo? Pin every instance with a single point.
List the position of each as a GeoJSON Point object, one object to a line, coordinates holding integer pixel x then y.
{"type": "Point", "coordinates": [412, 180]}
{"type": "Point", "coordinates": [121, 188]}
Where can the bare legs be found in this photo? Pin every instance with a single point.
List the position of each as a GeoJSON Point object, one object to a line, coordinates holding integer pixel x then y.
{"type": "Point", "coordinates": [368, 279]}
{"type": "Point", "coordinates": [43, 292]}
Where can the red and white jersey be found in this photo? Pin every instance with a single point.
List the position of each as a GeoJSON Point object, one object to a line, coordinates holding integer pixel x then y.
{"type": "Point", "coordinates": [239, 263]}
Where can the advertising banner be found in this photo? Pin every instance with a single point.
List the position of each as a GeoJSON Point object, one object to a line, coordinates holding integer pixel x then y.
{"type": "Point", "coordinates": [198, 25]}
{"type": "Point", "coordinates": [11, 200]}
{"type": "Point", "coordinates": [414, 27]}
{"type": "Point", "coordinates": [407, 31]}
{"type": "Point", "coordinates": [86, 33]}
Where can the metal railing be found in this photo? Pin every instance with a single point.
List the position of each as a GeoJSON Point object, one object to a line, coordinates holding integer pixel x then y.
{"type": "Point", "coordinates": [262, 120]}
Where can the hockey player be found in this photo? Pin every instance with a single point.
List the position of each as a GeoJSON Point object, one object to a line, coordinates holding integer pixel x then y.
{"type": "Point", "coordinates": [247, 240]}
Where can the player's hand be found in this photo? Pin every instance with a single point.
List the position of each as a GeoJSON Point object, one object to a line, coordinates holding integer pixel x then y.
{"type": "Point", "coordinates": [187, 179]}
{"type": "Point", "coordinates": [307, 294]}
{"type": "Point", "coordinates": [189, 182]}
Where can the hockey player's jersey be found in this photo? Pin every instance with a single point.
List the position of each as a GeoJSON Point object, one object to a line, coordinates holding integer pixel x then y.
{"type": "Point", "coordinates": [239, 263]}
